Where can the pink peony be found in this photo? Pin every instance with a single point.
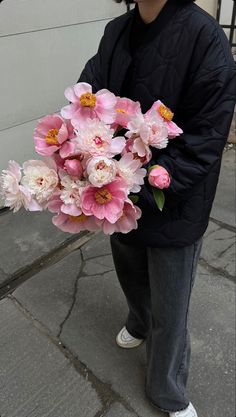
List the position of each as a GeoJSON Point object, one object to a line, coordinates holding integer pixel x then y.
{"type": "Point", "coordinates": [59, 161]}
{"type": "Point", "coordinates": [167, 115]}
{"type": "Point", "coordinates": [126, 222]}
{"type": "Point", "coordinates": [54, 202]}
{"type": "Point", "coordinates": [68, 149]}
{"type": "Point", "coordinates": [130, 170]}
{"type": "Point", "coordinates": [106, 202]}
{"type": "Point", "coordinates": [125, 109]}
{"type": "Point", "coordinates": [148, 130]}
{"type": "Point", "coordinates": [141, 151]}
{"type": "Point", "coordinates": [159, 177]}
{"type": "Point", "coordinates": [51, 135]}
{"type": "Point", "coordinates": [86, 105]}
{"type": "Point", "coordinates": [95, 138]}
{"type": "Point", "coordinates": [129, 147]}
{"type": "Point", "coordinates": [74, 224]}
{"type": "Point", "coordinates": [101, 170]}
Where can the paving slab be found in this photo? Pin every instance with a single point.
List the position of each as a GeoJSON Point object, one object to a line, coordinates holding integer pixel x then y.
{"type": "Point", "coordinates": [49, 294]}
{"type": "Point", "coordinates": [212, 227]}
{"type": "Point", "coordinates": [98, 246]}
{"type": "Point", "coordinates": [98, 265]}
{"type": "Point", "coordinates": [212, 323]}
{"type": "Point", "coordinates": [118, 410]}
{"type": "Point", "coordinates": [25, 237]}
{"type": "Point", "coordinates": [98, 314]}
{"type": "Point", "coordinates": [224, 207]}
{"type": "Point", "coordinates": [219, 250]}
{"type": "Point", "coordinates": [36, 380]}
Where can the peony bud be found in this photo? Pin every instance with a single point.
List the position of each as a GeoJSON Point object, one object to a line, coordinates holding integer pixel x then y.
{"type": "Point", "coordinates": [73, 167]}
{"type": "Point", "coordinates": [159, 177]}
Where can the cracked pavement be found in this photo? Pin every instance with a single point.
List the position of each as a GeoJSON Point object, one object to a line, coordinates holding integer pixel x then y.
{"type": "Point", "coordinates": [58, 324]}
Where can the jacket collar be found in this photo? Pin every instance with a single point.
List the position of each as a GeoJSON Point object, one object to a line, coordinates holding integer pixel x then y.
{"type": "Point", "coordinates": [162, 20]}
{"type": "Point", "coordinates": [120, 58]}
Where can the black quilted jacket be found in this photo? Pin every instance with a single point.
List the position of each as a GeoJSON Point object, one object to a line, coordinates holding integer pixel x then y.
{"type": "Point", "coordinates": [187, 63]}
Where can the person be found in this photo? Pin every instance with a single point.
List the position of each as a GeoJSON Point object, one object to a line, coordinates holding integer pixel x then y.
{"type": "Point", "coordinates": [174, 51]}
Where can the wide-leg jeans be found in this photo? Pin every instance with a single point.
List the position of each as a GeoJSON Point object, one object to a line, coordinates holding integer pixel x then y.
{"type": "Point", "coordinates": [157, 283]}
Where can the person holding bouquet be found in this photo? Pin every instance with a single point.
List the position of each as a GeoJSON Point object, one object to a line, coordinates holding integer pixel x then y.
{"type": "Point", "coordinates": [137, 154]}
{"type": "Point", "coordinates": [173, 51]}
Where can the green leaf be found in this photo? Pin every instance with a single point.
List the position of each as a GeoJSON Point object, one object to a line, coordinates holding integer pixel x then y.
{"type": "Point", "coordinates": [159, 197]}
{"type": "Point", "coordinates": [134, 198]}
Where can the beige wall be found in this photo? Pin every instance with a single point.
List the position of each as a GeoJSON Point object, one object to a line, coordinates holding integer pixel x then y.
{"type": "Point", "coordinates": [43, 47]}
{"type": "Point", "coordinates": [208, 5]}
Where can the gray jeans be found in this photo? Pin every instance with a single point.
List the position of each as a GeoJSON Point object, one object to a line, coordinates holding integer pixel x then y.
{"type": "Point", "coordinates": [157, 283]}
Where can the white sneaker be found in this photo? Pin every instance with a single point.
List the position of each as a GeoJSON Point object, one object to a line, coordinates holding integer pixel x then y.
{"type": "Point", "coordinates": [188, 412]}
{"type": "Point", "coordinates": [125, 340]}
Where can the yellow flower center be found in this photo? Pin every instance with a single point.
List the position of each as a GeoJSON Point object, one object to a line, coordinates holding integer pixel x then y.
{"type": "Point", "coordinates": [51, 137]}
{"type": "Point", "coordinates": [78, 219]}
{"type": "Point", "coordinates": [103, 196]}
{"type": "Point", "coordinates": [88, 100]}
{"type": "Point", "coordinates": [121, 111]}
{"type": "Point", "coordinates": [165, 113]}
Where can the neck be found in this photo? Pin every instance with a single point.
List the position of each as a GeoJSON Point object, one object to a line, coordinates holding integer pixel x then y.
{"type": "Point", "coordinates": [149, 10]}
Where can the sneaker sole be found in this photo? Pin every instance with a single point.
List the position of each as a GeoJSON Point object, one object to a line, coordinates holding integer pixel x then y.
{"type": "Point", "coordinates": [128, 345]}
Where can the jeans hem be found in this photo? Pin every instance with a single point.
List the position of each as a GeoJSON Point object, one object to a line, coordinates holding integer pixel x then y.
{"type": "Point", "coordinates": [165, 410]}
{"type": "Point", "coordinates": [134, 334]}
{"type": "Point", "coordinates": [161, 408]}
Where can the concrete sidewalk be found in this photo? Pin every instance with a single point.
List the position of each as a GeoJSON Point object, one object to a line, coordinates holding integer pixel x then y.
{"type": "Point", "coordinates": [57, 329]}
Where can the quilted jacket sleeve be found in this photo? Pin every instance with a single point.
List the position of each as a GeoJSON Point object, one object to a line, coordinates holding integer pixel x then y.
{"type": "Point", "coordinates": [92, 72]}
{"type": "Point", "coordinates": [205, 115]}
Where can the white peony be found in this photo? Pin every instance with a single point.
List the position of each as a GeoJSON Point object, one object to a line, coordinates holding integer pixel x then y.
{"type": "Point", "coordinates": [70, 195]}
{"type": "Point", "coordinates": [39, 179]}
{"type": "Point", "coordinates": [130, 170]}
{"type": "Point", "coordinates": [95, 138]}
{"type": "Point", "coordinates": [71, 190]}
{"type": "Point", "coordinates": [13, 193]}
{"type": "Point", "coordinates": [101, 170]}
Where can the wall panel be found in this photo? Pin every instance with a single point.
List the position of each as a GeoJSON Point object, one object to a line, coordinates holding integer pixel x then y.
{"type": "Point", "coordinates": [17, 143]}
{"type": "Point", "coordinates": [44, 45]}
{"type": "Point", "coordinates": [18, 16]}
{"type": "Point", "coordinates": [208, 5]}
{"type": "Point", "coordinates": [38, 68]}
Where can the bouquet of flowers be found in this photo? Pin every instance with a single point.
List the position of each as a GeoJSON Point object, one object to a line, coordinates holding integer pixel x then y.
{"type": "Point", "coordinates": [88, 173]}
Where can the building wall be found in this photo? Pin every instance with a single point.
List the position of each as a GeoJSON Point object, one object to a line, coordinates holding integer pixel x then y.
{"type": "Point", "coordinates": [208, 5]}
{"type": "Point", "coordinates": [43, 47]}
{"type": "Point", "coordinates": [226, 17]}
